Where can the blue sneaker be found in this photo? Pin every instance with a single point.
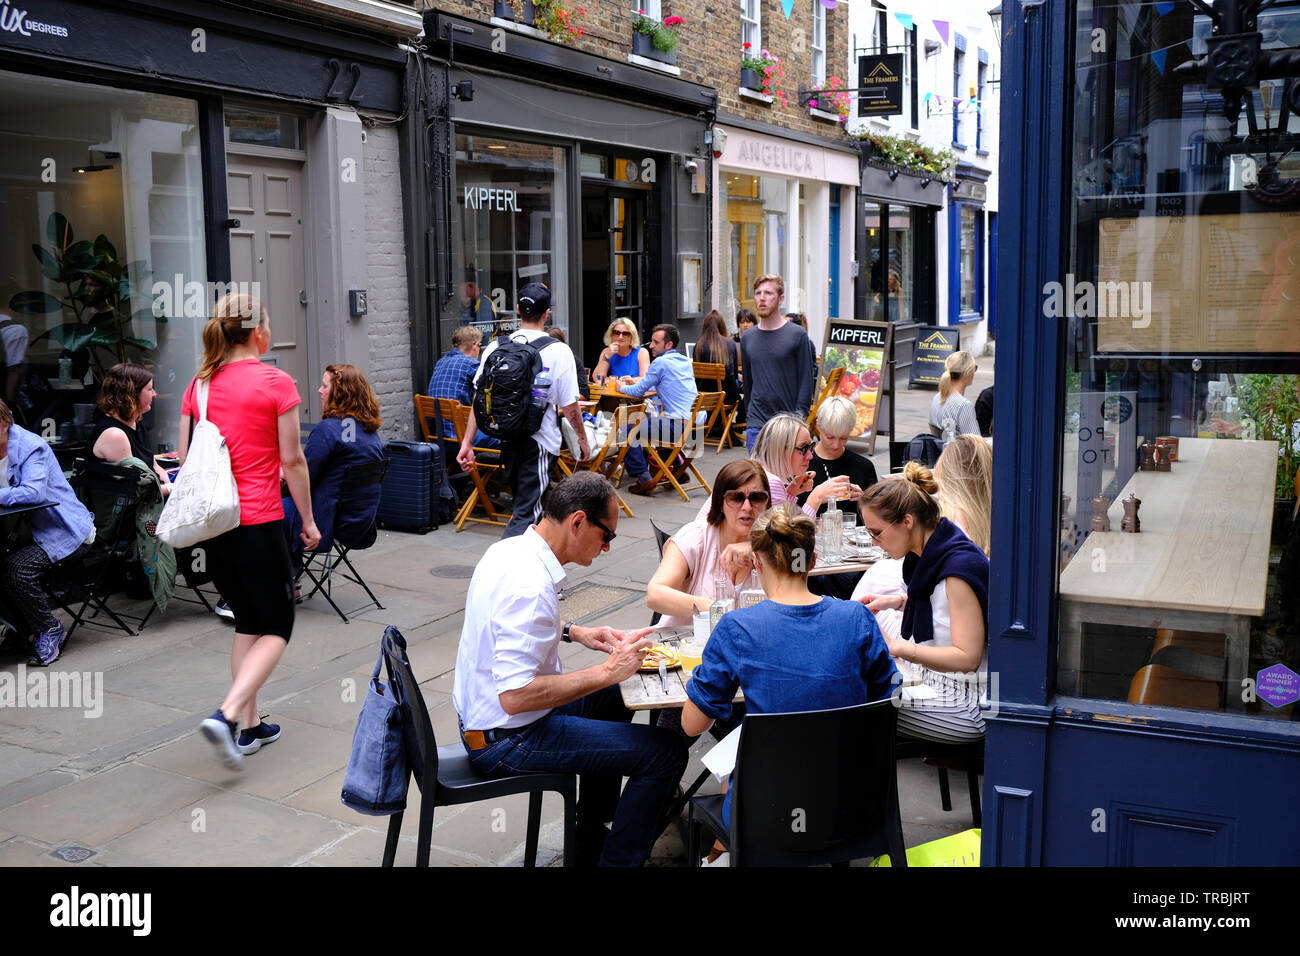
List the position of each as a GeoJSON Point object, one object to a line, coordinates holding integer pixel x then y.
{"type": "Point", "coordinates": [251, 741]}
{"type": "Point", "coordinates": [221, 734]}
{"type": "Point", "coordinates": [48, 647]}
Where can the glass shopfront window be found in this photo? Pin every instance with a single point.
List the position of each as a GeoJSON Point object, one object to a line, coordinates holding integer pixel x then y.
{"type": "Point", "coordinates": [970, 260]}
{"type": "Point", "coordinates": [892, 255]}
{"type": "Point", "coordinates": [102, 236]}
{"type": "Point", "coordinates": [1179, 546]}
{"type": "Point", "coordinates": [753, 239]}
{"type": "Point", "coordinates": [513, 229]}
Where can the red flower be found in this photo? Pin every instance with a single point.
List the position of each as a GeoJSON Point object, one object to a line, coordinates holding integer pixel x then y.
{"type": "Point", "coordinates": [746, 45]}
{"type": "Point", "coordinates": [673, 21]}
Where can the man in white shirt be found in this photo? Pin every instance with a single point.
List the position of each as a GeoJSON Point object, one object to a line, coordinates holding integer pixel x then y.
{"type": "Point", "coordinates": [529, 461]}
{"type": "Point", "coordinates": [520, 713]}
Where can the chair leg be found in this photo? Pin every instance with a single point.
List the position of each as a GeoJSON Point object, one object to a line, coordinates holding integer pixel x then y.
{"type": "Point", "coordinates": [356, 578]}
{"type": "Point", "coordinates": [534, 825]}
{"type": "Point", "coordinates": [894, 838]}
{"type": "Point", "coordinates": [394, 834]}
{"type": "Point", "coordinates": [569, 794]}
{"type": "Point", "coordinates": [692, 837]}
{"type": "Point", "coordinates": [426, 828]}
{"type": "Point", "coordinates": [945, 797]}
{"type": "Point", "coordinates": [973, 782]}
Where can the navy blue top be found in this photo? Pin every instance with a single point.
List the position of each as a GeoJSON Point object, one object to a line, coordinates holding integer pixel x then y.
{"type": "Point", "coordinates": [351, 519]}
{"type": "Point", "coordinates": [789, 658]}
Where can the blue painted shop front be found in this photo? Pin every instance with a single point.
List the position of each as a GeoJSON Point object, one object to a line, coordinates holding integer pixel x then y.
{"type": "Point", "coordinates": [1144, 712]}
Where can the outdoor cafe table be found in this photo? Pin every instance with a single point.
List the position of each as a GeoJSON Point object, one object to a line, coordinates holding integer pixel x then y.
{"type": "Point", "coordinates": [1199, 562]}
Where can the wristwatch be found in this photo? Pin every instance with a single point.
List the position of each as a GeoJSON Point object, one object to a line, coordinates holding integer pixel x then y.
{"type": "Point", "coordinates": [565, 635]}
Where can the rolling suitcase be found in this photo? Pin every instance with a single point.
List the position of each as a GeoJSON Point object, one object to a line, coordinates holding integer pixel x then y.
{"type": "Point", "coordinates": [408, 499]}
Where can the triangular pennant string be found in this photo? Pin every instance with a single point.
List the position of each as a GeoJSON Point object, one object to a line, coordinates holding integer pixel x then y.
{"type": "Point", "coordinates": [1163, 8]}
{"type": "Point", "coordinates": [1158, 58]}
{"type": "Point", "coordinates": [905, 19]}
{"type": "Point", "coordinates": [942, 27]}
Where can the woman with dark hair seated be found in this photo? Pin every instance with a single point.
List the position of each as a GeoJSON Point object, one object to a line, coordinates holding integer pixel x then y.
{"type": "Point", "coordinates": [796, 651]}
{"type": "Point", "coordinates": [714, 346]}
{"type": "Point", "coordinates": [29, 475]}
{"type": "Point", "coordinates": [693, 558]}
{"type": "Point", "coordinates": [347, 434]}
{"type": "Point", "coordinates": [125, 397]}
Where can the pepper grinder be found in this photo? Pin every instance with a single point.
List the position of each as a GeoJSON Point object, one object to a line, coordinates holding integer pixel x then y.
{"type": "Point", "coordinates": [1065, 513]}
{"type": "Point", "coordinates": [1148, 457]}
{"type": "Point", "coordinates": [1130, 521]}
{"type": "Point", "coordinates": [1164, 457]}
{"type": "Point", "coordinates": [1100, 520]}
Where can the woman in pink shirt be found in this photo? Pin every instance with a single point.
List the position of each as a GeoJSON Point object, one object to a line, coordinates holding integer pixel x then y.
{"type": "Point", "coordinates": [254, 406]}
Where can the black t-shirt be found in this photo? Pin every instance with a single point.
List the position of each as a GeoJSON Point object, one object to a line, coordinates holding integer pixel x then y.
{"type": "Point", "coordinates": [860, 470]}
{"type": "Point", "coordinates": [141, 447]}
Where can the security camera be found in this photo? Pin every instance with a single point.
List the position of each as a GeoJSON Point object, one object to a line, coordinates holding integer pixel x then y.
{"type": "Point", "coordinates": [691, 166]}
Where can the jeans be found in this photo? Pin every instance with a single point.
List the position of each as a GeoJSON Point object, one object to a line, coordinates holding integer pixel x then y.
{"type": "Point", "coordinates": [751, 435]}
{"type": "Point", "coordinates": [593, 736]}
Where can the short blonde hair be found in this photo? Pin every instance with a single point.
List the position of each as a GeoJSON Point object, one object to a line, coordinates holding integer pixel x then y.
{"type": "Point", "coordinates": [466, 337]}
{"type": "Point", "coordinates": [609, 332]}
{"type": "Point", "coordinates": [836, 416]}
{"type": "Point", "coordinates": [776, 441]}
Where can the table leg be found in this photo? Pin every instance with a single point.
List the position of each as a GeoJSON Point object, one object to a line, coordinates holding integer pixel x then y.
{"type": "Point", "coordinates": [1238, 649]}
{"type": "Point", "coordinates": [1070, 650]}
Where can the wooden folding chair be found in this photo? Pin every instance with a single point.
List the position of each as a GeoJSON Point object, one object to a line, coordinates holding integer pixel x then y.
{"type": "Point", "coordinates": [657, 457]}
{"type": "Point", "coordinates": [608, 459]}
{"type": "Point", "coordinates": [708, 377]}
{"type": "Point", "coordinates": [832, 383]}
{"type": "Point", "coordinates": [431, 411]}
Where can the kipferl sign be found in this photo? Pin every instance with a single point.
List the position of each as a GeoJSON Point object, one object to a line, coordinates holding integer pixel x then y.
{"type": "Point", "coordinates": [860, 349]}
{"type": "Point", "coordinates": [880, 84]}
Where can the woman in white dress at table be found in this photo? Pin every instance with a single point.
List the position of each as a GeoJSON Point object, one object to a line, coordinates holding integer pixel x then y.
{"type": "Point", "coordinates": [965, 476]}
{"type": "Point", "coordinates": [944, 609]}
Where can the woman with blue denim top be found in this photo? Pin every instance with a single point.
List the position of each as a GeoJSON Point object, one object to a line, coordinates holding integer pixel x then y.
{"type": "Point", "coordinates": [33, 476]}
{"type": "Point", "coordinates": [796, 651]}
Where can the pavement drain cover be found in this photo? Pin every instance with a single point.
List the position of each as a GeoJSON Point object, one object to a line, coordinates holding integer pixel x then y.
{"type": "Point", "coordinates": [73, 854]}
{"type": "Point", "coordinates": [454, 571]}
{"type": "Point", "coordinates": [589, 601]}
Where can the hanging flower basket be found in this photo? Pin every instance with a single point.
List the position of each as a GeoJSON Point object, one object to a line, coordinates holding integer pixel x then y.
{"type": "Point", "coordinates": [644, 45]}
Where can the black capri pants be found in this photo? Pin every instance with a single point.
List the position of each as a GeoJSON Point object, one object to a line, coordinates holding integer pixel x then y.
{"type": "Point", "coordinates": [251, 568]}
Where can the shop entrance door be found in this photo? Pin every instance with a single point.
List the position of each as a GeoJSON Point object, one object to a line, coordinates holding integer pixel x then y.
{"type": "Point", "coordinates": [265, 195]}
{"type": "Point", "coordinates": [614, 263]}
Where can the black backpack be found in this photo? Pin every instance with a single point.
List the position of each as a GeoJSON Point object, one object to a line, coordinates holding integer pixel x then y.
{"type": "Point", "coordinates": [924, 448]}
{"type": "Point", "coordinates": [503, 400]}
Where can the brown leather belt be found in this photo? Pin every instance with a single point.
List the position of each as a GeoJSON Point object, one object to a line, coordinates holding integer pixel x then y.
{"type": "Point", "coordinates": [477, 740]}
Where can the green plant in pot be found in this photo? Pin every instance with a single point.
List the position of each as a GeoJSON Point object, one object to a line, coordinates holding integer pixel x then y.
{"type": "Point", "coordinates": [656, 38]}
{"type": "Point", "coordinates": [98, 291]}
{"type": "Point", "coordinates": [1272, 403]}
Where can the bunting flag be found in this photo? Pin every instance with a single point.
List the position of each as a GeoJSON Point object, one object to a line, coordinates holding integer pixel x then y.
{"type": "Point", "coordinates": [942, 27]}
{"type": "Point", "coordinates": [1158, 58]}
{"type": "Point", "coordinates": [905, 19]}
{"type": "Point", "coordinates": [828, 4]}
{"type": "Point", "coordinates": [956, 104]}
{"type": "Point", "coordinates": [926, 98]}
{"type": "Point", "coordinates": [1163, 8]}
{"type": "Point", "coordinates": [787, 7]}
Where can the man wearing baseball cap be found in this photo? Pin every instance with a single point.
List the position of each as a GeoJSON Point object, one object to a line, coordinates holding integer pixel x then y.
{"type": "Point", "coordinates": [528, 462]}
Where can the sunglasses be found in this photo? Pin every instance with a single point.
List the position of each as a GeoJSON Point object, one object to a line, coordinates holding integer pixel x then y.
{"type": "Point", "coordinates": [738, 498]}
{"type": "Point", "coordinates": [621, 332]}
{"type": "Point", "coordinates": [609, 535]}
{"type": "Point", "coordinates": [805, 449]}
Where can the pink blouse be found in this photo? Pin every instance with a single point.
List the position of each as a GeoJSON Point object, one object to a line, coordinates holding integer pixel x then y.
{"type": "Point", "coordinates": [701, 545]}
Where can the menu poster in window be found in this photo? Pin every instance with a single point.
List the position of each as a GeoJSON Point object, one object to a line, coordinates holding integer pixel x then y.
{"type": "Point", "coordinates": [934, 343]}
{"type": "Point", "coordinates": [1105, 448]}
{"type": "Point", "coordinates": [1209, 284]}
{"type": "Point", "coordinates": [860, 348]}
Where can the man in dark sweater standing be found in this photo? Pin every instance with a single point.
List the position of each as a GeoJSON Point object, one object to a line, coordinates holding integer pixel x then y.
{"type": "Point", "coordinates": [778, 358]}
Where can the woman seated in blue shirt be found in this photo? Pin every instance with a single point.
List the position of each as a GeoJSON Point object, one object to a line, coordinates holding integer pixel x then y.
{"type": "Point", "coordinates": [796, 651]}
{"type": "Point", "coordinates": [31, 475]}
{"type": "Point", "coordinates": [347, 434]}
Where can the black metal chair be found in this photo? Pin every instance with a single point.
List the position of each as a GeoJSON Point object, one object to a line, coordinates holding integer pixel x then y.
{"type": "Point", "coordinates": [321, 567]}
{"type": "Point", "coordinates": [447, 778]}
{"type": "Point", "coordinates": [90, 576]}
{"type": "Point", "coordinates": [810, 788]}
{"type": "Point", "coordinates": [661, 536]}
{"type": "Point", "coordinates": [963, 758]}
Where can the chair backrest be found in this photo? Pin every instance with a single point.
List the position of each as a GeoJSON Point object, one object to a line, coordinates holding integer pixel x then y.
{"type": "Point", "coordinates": [111, 493]}
{"type": "Point", "coordinates": [814, 787]}
{"type": "Point", "coordinates": [661, 536]}
{"type": "Point", "coordinates": [426, 413]}
{"type": "Point", "coordinates": [364, 474]}
{"type": "Point", "coordinates": [711, 374]}
{"type": "Point", "coordinates": [897, 456]}
{"type": "Point", "coordinates": [417, 728]}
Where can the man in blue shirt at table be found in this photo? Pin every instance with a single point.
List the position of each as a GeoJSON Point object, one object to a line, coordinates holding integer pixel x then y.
{"type": "Point", "coordinates": [672, 375]}
{"type": "Point", "coordinates": [31, 475]}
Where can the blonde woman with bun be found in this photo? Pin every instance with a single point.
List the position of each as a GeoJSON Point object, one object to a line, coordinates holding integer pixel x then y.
{"type": "Point", "coordinates": [945, 608]}
{"type": "Point", "coordinates": [797, 650]}
{"type": "Point", "coordinates": [255, 407]}
{"type": "Point", "coordinates": [622, 355]}
{"type": "Point", "coordinates": [951, 404]}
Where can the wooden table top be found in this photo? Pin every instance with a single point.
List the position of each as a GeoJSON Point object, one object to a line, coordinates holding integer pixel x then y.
{"type": "Point", "coordinates": [644, 691]}
{"type": "Point", "coordinates": [1205, 534]}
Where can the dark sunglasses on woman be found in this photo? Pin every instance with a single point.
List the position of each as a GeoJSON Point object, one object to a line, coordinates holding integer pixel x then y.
{"type": "Point", "coordinates": [756, 498]}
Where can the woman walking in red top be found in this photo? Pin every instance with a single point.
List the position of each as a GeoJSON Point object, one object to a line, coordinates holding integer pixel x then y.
{"type": "Point", "coordinates": [254, 406]}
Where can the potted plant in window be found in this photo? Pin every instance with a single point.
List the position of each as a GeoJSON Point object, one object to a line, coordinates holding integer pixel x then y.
{"type": "Point", "coordinates": [1271, 402]}
{"type": "Point", "coordinates": [549, 16]}
{"type": "Point", "coordinates": [654, 39]}
{"type": "Point", "coordinates": [99, 290]}
{"type": "Point", "coordinates": [762, 72]}
{"type": "Point", "coordinates": [521, 11]}
{"type": "Point", "coordinates": [830, 97]}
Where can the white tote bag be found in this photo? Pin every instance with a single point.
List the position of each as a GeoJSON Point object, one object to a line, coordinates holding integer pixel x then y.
{"type": "Point", "coordinates": [204, 500]}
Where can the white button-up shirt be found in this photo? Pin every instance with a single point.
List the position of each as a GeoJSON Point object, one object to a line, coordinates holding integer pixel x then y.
{"type": "Point", "coordinates": [512, 630]}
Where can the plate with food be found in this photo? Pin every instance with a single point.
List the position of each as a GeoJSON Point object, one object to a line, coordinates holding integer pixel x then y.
{"type": "Point", "coordinates": [657, 653]}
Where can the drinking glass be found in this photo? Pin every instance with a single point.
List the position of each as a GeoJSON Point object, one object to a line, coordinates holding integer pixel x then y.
{"type": "Point", "coordinates": [751, 596]}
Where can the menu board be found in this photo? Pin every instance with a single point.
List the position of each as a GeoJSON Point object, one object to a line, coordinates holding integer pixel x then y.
{"type": "Point", "coordinates": [860, 348]}
{"type": "Point", "coordinates": [1210, 284]}
{"type": "Point", "coordinates": [934, 343]}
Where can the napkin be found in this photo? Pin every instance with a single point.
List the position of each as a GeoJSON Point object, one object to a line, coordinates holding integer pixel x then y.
{"type": "Point", "coordinates": [721, 760]}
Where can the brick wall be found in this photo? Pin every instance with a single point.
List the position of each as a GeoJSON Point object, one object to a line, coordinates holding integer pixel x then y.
{"type": "Point", "coordinates": [388, 321]}
{"type": "Point", "coordinates": [709, 50]}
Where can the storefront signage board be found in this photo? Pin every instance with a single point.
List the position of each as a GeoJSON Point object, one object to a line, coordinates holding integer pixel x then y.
{"type": "Point", "coordinates": [880, 85]}
{"type": "Point", "coordinates": [934, 343]}
{"type": "Point", "coordinates": [862, 349]}
{"type": "Point", "coordinates": [1105, 445]}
